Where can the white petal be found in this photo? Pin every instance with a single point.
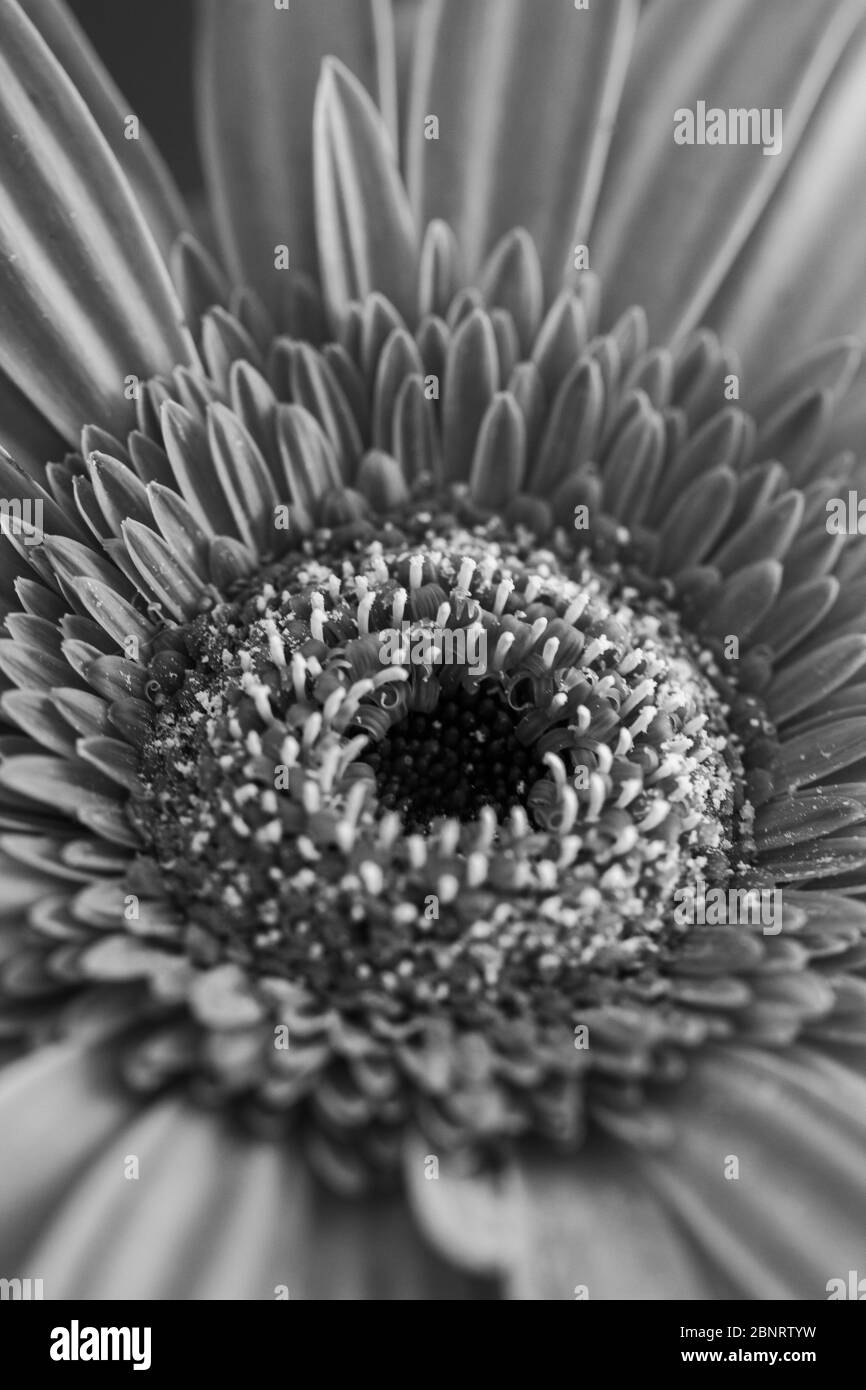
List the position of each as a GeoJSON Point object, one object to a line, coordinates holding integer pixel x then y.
{"type": "Point", "coordinates": [526, 96]}
{"type": "Point", "coordinates": [673, 218]}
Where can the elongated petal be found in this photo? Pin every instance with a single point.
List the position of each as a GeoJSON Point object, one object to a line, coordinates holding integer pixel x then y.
{"type": "Point", "coordinates": [118, 492]}
{"type": "Point", "coordinates": [440, 271]}
{"type": "Point", "coordinates": [165, 574]}
{"type": "Point", "coordinates": [58, 1091]}
{"type": "Point", "coordinates": [414, 440]}
{"type": "Point", "coordinates": [802, 819]}
{"type": "Point", "coordinates": [786, 1116]}
{"type": "Point", "coordinates": [24, 432]}
{"type": "Point", "coordinates": [382, 481]}
{"type": "Point", "coordinates": [811, 756]}
{"type": "Point", "coordinates": [187, 447]}
{"type": "Point", "coordinates": [499, 461]}
{"type": "Point", "coordinates": [745, 599]}
{"type": "Point", "coordinates": [512, 279]}
{"type": "Point", "coordinates": [16, 484]}
{"type": "Point", "coordinates": [796, 614]}
{"type": "Point", "coordinates": [258, 69]}
{"type": "Point", "coordinates": [697, 519]}
{"type": "Point", "coordinates": [244, 478]}
{"type": "Point", "coordinates": [829, 366]}
{"type": "Point", "coordinates": [366, 235]}
{"type": "Point", "coordinates": [179, 526]}
{"type": "Point", "coordinates": [720, 443]}
{"type": "Point", "coordinates": [119, 619]}
{"type": "Point", "coordinates": [569, 1212]}
{"type": "Point", "coordinates": [705, 200]}
{"type": "Point", "coordinates": [86, 299]}
{"type": "Point", "coordinates": [823, 196]}
{"type": "Point", "coordinates": [573, 430]}
{"type": "Point", "coordinates": [138, 157]}
{"type": "Point", "coordinates": [113, 758]}
{"type": "Point", "coordinates": [794, 434]}
{"type": "Point", "coordinates": [472, 379]}
{"type": "Point", "coordinates": [472, 62]}
{"type": "Point", "coordinates": [85, 712]}
{"type": "Point", "coordinates": [398, 360]}
{"type": "Point", "coordinates": [68, 785]}
{"type": "Point", "coordinates": [198, 279]}
{"type": "Point", "coordinates": [309, 462]}
{"type": "Point", "coordinates": [769, 533]}
{"type": "Point", "coordinates": [814, 676]}
{"type": "Point", "coordinates": [312, 385]}
{"type": "Point", "coordinates": [469, 1217]}
{"type": "Point", "coordinates": [35, 714]}
{"type": "Point", "coordinates": [72, 560]}
{"type": "Point", "coordinates": [632, 468]}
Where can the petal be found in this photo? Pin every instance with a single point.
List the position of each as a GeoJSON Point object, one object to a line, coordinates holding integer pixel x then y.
{"type": "Point", "coordinates": [806, 683]}
{"type": "Point", "coordinates": [257, 71]}
{"type": "Point", "coordinates": [406, 17]}
{"type": "Point", "coordinates": [151, 182]}
{"type": "Point", "coordinates": [811, 756]}
{"type": "Point", "coordinates": [683, 1221]}
{"type": "Point", "coordinates": [593, 1229]}
{"type": "Point", "coordinates": [55, 1111]}
{"type": "Point", "coordinates": [808, 237]}
{"type": "Point", "coordinates": [472, 378]}
{"type": "Point", "coordinates": [86, 298]}
{"type": "Point", "coordinates": [244, 477]}
{"type": "Point", "coordinates": [703, 200]}
{"type": "Point", "coordinates": [217, 1215]}
{"type": "Point", "coordinates": [165, 573]}
{"type": "Point", "coordinates": [499, 461]}
{"type": "Point", "coordinates": [469, 1216]}
{"type": "Point", "coordinates": [793, 1219]}
{"type": "Point", "coordinates": [364, 227]}
{"type": "Point", "coordinates": [25, 433]}
{"type": "Point", "coordinates": [495, 165]}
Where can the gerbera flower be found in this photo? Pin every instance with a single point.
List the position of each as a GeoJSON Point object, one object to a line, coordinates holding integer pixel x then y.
{"type": "Point", "coordinates": [399, 633]}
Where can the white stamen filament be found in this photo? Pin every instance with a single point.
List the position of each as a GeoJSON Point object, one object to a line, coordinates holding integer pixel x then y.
{"type": "Point", "coordinates": [299, 676]}
{"type": "Point", "coordinates": [597, 796]}
{"type": "Point", "coordinates": [398, 607]}
{"type": "Point", "coordinates": [654, 817]}
{"type": "Point", "coordinates": [557, 768]}
{"type": "Point", "coordinates": [503, 647]}
{"type": "Point", "coordinates": [416, 572]}
{"type": "Point", "coordinates": [504, 590]}
{"type": "Point", "coordinates": [365, 608]}
{"type": "Point", "coordinates": [575, 609]}
{"type": "Point", "coordinates": [276, 649]}
{"type": "Point", "coordinates": [640, 693]}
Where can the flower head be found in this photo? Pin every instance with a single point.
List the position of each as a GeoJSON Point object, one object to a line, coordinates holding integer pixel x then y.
{"type": "Point", "coordinates": [414, 665]}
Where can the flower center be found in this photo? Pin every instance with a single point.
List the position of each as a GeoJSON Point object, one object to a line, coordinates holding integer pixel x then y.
{"type": "Point", "coordinates": [463, 756]}
{"type": "Point", "coordinates": [525, 747]}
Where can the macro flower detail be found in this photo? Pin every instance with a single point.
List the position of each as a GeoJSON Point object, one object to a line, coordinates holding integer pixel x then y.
{"type": "Point", "coordinates": [405, 635]}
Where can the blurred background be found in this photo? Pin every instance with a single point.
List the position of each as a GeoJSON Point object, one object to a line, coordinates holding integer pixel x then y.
{"type": "Point", "coordinates": [148, 51]}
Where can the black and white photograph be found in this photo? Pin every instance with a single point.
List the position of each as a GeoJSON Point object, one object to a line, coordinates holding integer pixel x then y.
{"type": "Point", "coordinates": [433, 664]}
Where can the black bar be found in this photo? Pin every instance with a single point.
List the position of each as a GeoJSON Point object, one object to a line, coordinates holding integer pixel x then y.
{"type": "Point", "coordinates": [247, 1338]}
